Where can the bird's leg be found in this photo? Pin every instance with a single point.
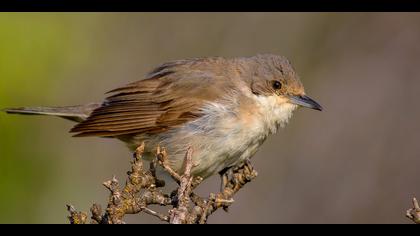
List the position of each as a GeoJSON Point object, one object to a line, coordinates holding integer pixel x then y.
{"type": "Point", "coordinates": [159, 182]}
{"type": "Point", "coordinates": [162, 159]}
{"type": "Point", "coordinates": [224, 176]}
{"type": "Point", "coordinates": [240, 175]}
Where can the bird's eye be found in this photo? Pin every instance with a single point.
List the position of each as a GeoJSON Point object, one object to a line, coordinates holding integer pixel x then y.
{"type": "Point", "coordinates": [277, 85]}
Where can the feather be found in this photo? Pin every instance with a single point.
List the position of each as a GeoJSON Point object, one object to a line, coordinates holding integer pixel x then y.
{"type": "Point", "coordinates": [170, 96]}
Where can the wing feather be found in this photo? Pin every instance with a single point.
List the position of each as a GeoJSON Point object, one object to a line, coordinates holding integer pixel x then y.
{"type": "Point", "coordinates": [171, 95]}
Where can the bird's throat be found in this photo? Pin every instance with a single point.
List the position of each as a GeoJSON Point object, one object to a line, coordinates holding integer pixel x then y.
{"type": "Point", "coordinates": [272, 114]}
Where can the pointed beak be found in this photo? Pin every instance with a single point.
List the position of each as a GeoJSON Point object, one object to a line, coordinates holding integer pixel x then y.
{"type": "Point", "coordinates": [305, 101]}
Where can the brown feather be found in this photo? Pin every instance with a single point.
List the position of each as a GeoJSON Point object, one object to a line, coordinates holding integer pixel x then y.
{"type": "Point", "coordinates": [170, 95]}
{"type": "Point", "coordinates": [175, 93]}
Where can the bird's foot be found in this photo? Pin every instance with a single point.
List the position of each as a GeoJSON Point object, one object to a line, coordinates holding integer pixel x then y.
{"type": "Point", "coordinates": [224, 177]}
{"type": "Point", "coordinates": [162, 160]}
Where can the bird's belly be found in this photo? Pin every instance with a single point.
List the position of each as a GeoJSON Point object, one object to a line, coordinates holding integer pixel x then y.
{"type": "Point", "coordinates": [219, 140]}
{"type": "Point", "coordinates": [218, 148]}
{"type": "Point", "coordinates": [212, 151]}
{"type": "Point", "coordinates": [225, 154]}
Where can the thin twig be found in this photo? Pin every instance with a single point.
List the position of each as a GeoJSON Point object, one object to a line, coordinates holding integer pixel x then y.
{"type": "Point", "coordinates": [161, 216]}
{"type": "Point", "coordinates": [180, 213]}
{"type": "Point", "coordinates": [75, 216]}
{"type": "Point", "coordinates": [414, 213]}
{"type": "Point", "coordinates": [142, 188]}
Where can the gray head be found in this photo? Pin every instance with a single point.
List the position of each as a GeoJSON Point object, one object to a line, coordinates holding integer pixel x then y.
{"type": "Point", "coordinates": [273, 75]}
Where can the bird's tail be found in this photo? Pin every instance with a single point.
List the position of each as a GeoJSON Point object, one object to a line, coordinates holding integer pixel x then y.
{"type": "Point", "coordinates": [74, 113]}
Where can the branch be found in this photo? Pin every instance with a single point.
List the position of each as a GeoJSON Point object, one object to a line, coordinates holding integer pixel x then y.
{"type": "Point", "coordinates": [142, 189]}
{"type": "Point", "coordinates": [414, 213]}
{"type": "Point", "coordinates": [241, 175]}
{"type": "Point", "coordinates": [76, 217]}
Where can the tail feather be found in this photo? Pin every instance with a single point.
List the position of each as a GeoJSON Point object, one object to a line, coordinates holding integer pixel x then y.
{"type": "Point", "coordinates": [74, 113]}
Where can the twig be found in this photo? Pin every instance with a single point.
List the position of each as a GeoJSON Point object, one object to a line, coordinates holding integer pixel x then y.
{"type": "Point", "coordinates": [241, 176]}
{"type": "Point", "coordinates": [414, 213]}
{"type": "Point", "coordinates": [179, 214]}
{"type": "Point", "coordinates": [96, 211]}
{"type": "Point", "coordinates": [142, 189]}
{"type": "Point", "coordinates": [75, 216]}
{"type": "Point", "coordinates": [128, 200]}
{"type": "Point", "coordinates": [157, 214]}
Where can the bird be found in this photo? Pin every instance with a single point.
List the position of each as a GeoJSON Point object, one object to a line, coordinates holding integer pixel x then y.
{"type": "Point", "coordinates": [222, 108]}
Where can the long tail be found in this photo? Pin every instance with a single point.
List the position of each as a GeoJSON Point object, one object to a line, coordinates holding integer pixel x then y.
{"type": "Point", "coordinates": [74, 113]}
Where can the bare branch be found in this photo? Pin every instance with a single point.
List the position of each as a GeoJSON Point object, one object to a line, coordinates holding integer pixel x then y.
{"type": "Point", "coordinates": [180, 213]}
{"type": "Point", "coordinates": [241, 176]}
{"type": "Point", "coordinates": [75, 216]}
{"type": "Point", "coordinates": [157, 214]}
{"type": "Point", "coordinates": [142, 189]}
{"type": "Point", "coordinates": [414, 213]}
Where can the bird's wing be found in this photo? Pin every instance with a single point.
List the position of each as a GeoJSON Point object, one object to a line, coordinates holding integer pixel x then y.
{"type": "Point", "coordinates": [171, 95]}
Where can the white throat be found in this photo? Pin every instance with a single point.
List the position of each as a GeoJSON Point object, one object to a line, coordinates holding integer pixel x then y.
{"type": "Point", "coordinates": [272, 114]}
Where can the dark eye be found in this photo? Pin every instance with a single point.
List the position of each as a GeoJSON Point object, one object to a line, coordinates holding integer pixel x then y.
{"type": "Point", "coordinates": [276, 85]}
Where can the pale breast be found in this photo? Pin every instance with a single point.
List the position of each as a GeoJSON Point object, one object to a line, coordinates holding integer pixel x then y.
{"type": "Point", "coordinates": [228, 133]}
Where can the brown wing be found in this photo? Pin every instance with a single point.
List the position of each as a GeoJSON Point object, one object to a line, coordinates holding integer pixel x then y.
{"type": "Point", "coordinates": [171, 95]}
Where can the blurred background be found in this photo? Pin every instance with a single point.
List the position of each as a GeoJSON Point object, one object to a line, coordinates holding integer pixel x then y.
{"type": "Point", "coordinates": [355, 162]}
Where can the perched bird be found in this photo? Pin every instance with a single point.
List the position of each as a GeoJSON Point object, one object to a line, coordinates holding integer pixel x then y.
{"type": "Point", "coordinates": [223, 108]}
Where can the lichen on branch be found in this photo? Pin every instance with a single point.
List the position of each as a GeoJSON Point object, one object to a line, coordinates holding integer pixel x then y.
{"type": "Point", "coordinates": [143, 188]}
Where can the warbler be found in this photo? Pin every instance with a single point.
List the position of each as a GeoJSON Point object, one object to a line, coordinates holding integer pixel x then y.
{"type": "Point", "coordinates": [223, 108]}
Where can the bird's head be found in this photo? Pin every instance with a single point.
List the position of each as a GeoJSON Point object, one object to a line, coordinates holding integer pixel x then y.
{"type": "Point", "coordinates": [274, 77]}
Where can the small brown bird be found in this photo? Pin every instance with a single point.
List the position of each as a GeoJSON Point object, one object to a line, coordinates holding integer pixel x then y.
{"type": "Point", "coordinates": [223, 108]}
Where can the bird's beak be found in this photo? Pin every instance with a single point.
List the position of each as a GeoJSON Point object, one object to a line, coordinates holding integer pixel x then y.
{"type": "Point", "coordinates": [305, 101]}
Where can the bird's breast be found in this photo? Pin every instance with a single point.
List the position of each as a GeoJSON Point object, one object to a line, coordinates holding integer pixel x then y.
{"type": "Point", "coordinates": [229, 133]}
{"type": "Point", "coordinates": [226, 134]}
